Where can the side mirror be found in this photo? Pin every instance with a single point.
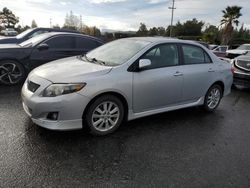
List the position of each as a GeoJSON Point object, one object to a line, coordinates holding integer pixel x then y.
{"type": "Point", "coordinates": [144, 63]}
{"type": "Point", "coordinates": [43, 46]}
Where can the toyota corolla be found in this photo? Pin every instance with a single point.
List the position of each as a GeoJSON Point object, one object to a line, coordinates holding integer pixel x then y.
{"type": "Point", "coordinates": [124, 80]}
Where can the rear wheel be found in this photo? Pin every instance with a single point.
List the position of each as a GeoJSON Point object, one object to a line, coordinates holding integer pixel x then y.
{"type": "Point", "coordinates": [213, 98]}
{"type": "Point", "coordinates": [11, 72]}
{"type": "Point", "coordinates": [104, 115]}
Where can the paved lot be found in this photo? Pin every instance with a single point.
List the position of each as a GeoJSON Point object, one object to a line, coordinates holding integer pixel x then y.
{"type": "Point", "coordinates": [185, 148]}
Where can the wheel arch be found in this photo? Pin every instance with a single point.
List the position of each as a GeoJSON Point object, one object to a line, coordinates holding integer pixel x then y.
{"type": "Point", "coordinates": [221, 84]}
{"type": "Point", "coordinates": [16, 60]}
{"type": "Point", "coordinates": [114, 93]}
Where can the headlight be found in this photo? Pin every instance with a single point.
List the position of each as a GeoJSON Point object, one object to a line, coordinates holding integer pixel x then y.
{"type": "Point", "coordinates": [62, 89]}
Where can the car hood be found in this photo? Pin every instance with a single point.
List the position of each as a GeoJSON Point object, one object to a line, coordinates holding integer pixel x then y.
{"type": "Point", "coordinates": [9, 46]}
{"type": "Point", "coordinates": [243, 57]}
{"type": "Point", "coordinates": [237, 51]}
{"type": "Point", "coordinates": [8, 40]}
{"type": "Point", "coordinates": [69, 70]}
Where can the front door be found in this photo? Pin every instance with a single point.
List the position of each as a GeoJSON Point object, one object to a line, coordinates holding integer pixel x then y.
{"type": "Point", "coordinates": [59, 47]}
{"type": "Point", "coordinates": [160, 84]}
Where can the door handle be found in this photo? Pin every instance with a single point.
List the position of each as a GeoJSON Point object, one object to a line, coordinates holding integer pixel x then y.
{"type": "Point", "coordinates": [211, 70]}
{"type": "Point", "coordinates": [178, 73]}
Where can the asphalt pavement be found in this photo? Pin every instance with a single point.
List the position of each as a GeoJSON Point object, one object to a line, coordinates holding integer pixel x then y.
{"type": "Point", "coordinates": [184, 148]}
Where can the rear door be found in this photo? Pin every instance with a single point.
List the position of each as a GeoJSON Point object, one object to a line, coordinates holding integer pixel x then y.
{"type": "Point", "coordinates": [85, 44]}
{"type": "Point", "coordinates": [198, 72]}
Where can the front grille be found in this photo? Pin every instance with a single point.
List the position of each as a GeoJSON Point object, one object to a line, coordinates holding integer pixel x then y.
{"type": "Point", "coordinates": [245, 65]}
{"type": "Point", "coordinates": [32, 86]}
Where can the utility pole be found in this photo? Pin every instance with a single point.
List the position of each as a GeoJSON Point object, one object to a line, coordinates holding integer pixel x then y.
{"type": "Point", "coordinates": [81, 23]}
{"type": "Point", "coordinates": [172, 17]}
{"type": "Point", "coordinates": [50, 22]}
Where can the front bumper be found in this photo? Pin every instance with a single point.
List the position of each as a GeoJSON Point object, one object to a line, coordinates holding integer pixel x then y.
{"type": "Point", "coordinates": [242, 79]}
{"type": "Point", "coordinates": [70, 107]}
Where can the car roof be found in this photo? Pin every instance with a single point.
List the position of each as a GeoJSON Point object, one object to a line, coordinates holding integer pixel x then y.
{"type": "Point", "coordinates": [55, 29]}
{"type": "Point", "coordinates": [51, 34]}
{"type": "Point", "coordinates": [165, 39]}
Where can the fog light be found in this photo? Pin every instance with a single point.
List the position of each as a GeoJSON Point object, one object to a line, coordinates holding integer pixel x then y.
{"type": "Point", "coordinates": [52, 116]}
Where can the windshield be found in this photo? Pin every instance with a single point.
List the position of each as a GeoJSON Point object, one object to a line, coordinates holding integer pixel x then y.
{"type": "Point", "coordinates": [33, 41]}
{"type": "Point", "coordinates": [244, 47]}
{"type": "Point", "coordinates": [21, 35]}
{"type": "Point", "coordinates": [117, 52]}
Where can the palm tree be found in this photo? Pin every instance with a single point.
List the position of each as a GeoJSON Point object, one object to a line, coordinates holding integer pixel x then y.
{"type": "Point", "coordinates": [230, 17]}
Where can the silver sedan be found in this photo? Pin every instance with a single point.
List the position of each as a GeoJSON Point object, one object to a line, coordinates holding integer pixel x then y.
{"type": "Point", "coordinates": [124, 80]}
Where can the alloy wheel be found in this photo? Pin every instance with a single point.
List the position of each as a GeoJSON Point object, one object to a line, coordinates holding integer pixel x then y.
{"type": "Point", "coordinates": [213, 98]}
{"type": "Point", "coordinates": [10, 73]}
{"type": "Point", "coordinates": [105, 116]}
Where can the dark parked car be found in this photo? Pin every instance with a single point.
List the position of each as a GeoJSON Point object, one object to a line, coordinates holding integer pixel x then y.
{"type": "Point", "coordinates": [31, 33]}
{"type": "Point", "coordinates": [17, 60]}
{"type": "Point", "coordinates": [241, 69]}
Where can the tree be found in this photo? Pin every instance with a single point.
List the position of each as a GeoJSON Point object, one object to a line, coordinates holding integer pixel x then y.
{"type": "Point", "coordinates": [56, 26]}
{"type": "Point", "coordinates": [143, 31]}
{"type": "Point", "coordinates": [153, 31]}
{"type": "Point", "coordinates": [230, 17]}
{"type": "Point", "coordinates": [161, 31]}
{"type": "Point", "coordinates": [211, 34]}
{"type": "Point", "coordinates": [33, 24]}
{"type": "Point", "coordinates": [71, 21]}
{"type": "Point", "coordinates": [189, 28]}
{"type": "Point", "coordinates": [243, 33]}
{"type": "Point", "coordinates": [8, 18]}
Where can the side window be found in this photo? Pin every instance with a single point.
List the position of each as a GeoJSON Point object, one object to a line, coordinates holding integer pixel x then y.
{"type": "Point", "coordinates": [85, 43]}
{"type": "Point", "coordinates": [223, 49]}
{"type": "Point", "coordinates": [195, 55]}
{"type": "Point", "coordinates": [61, 42]}
{"type": "Point", "coordinates": [162, 56]}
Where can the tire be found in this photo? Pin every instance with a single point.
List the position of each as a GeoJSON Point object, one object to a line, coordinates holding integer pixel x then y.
{"type": "Point", "coordinates": [100, 121]}
{"type": "Point", "coordinates": [212, 98]}
{"type": "Point", "coordinates": [11, 72]}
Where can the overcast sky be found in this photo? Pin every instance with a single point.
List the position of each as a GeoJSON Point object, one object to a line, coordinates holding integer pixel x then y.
{"type": "Point", "coordinates": [122, 14]}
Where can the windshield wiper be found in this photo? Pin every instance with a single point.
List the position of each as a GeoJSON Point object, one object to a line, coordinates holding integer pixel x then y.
{"type": "Point", "coordinates": [98, 61]}
{"type": "Point", "coordinates": [85, 57]}
{"type": "Point", "coordinates": [93, 60]}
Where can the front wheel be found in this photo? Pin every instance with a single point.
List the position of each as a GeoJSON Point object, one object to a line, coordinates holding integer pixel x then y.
{"type": "Point", "coordinates": [213, 98]}
{"type": "Point", "coordinates": [11, 72]}
{"type": "Point", "coordinates": [104, 115]}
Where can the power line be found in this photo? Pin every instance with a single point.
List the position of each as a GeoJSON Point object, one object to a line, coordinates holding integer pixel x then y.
{"type": "Point", "coordinates": [172, 17]}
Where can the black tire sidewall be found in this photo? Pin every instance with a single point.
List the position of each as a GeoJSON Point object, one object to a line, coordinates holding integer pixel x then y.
{"type": "Point", "coordinates": [206, 98]}
{"type": "Point", "coordinates": [20, 67]}
{"type": "Point", "coordinates": [98, 101]}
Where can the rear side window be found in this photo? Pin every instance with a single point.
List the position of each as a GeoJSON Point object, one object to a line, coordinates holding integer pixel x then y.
{"type": "Point", "coordinates": [195, 55]}
{"type": "Point", "coordinates": [37, 33]}
{"type": "Point", "coordinates": [86, 44]}
{"type": "Point", "coordinates": [61, 42]}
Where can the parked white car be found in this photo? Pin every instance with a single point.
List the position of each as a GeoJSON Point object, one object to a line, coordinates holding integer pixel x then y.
{"type": "Point", "coordinates": [9, 32]}
{"type": "Point", "coordinates": [241, 50]}
{"type": "Point", "coordinates": [220, 51]}
{"type": "Point", "coordinates": [124, 80]}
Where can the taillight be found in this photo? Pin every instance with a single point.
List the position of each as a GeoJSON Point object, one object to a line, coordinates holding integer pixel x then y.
{"type": "Point", "coordinates": [232, 68]}
{"type": "Point", "coordinates": [232, 65]}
